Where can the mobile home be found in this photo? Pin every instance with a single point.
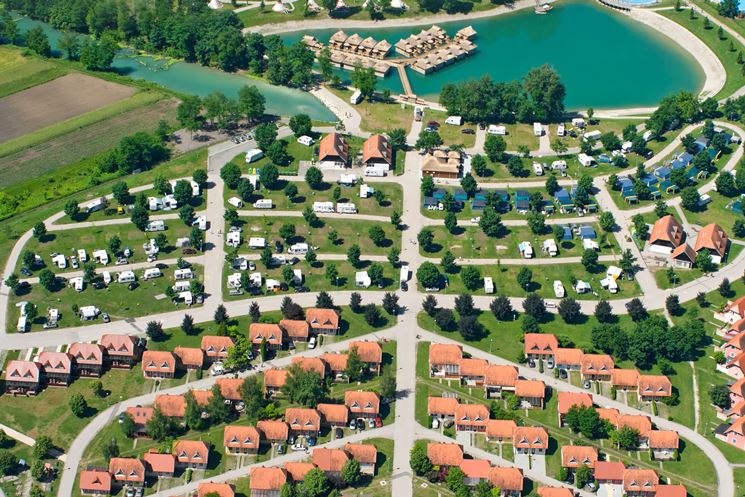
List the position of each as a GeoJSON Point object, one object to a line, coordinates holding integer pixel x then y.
{"type": "Point", "coordinates": [126, 277]}
{"type": "Point", "coordinates": [183, 274]}
{"type": "Point", "coordinates": [263, 203]}
{"type": "Point", "coordinates": [152, 272]}
{"type": "Point", "coordinates": [298, 249]}
{"type": "Point", "coordinates": [346, 208]}
{"type": "Point", "coordinates": [253, 155]}
{"type": "Point", "coordinates": [537, 129]}
{"type": "Point", "coordinates": [95, 205]}
{"type": "Point", "coordinates": [323, 207]}
{"type": "Point", "coordinates": [256, 242]}
{"type": "Point", "coordinates": [356, 97]}
{"type": "Point", "coordinates": [235, 202]}
{"type": "Point", "coordinates": [155, 226]}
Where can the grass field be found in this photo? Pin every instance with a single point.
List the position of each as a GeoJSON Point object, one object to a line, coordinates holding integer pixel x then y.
{"type": "Point", "coordinates": [379, 117]}
{"type": "Point", "coordinates": [688, 275]}
{"type": "Point", "coordinates": [715, 211]}
{"type": "Point", "coordinates": [18, 72]}
{"type": "Point", "coordinates": [451, 134]}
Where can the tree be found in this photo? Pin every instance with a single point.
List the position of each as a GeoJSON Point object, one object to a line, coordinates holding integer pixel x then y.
{"type": "Point", "coordinates": [252, 394]}
{"type": "Point", "coordinates": [8, 462]}
{"type": "Point", "coordinates": [445, 319]}
{"type": "Point", "coordinates": [377, 235]}
{"type": "Point", "coordinates": [364, 80]}
{"type": "Point", "coordinates": [494, 147]}
{"type": "Point", "coordinates": [304, 387]}
{"type": "Point", "coordinates": [429, 305]}
{"type": "Point", "coordinates": [471, 277]}
{"type": "Point", "coordinates": [159, 427]}
{"type": "Point", "coordinates": [420, 463]}
{"type": "Point", "coordinates": [37, 41]}
{"type": "Point", "coordinates": [350, 472]}
{"type": "Point", "coordinates": [428, 140]}
{"type": "Point", "coordinates": [607, 221]}
{"type": "Point", "coordinates": [725, 184]}
{"type": "Point", "coordinates": [372, 314]}
{"type": "Point", "coordinates": [69, 44]}
{"type": "Point", "coordinates": [12, 282]}
{"type": "Point", "coordinates": [590, 260]}
{"type": "Point", "coordinates": [221, 315]}
{"type": "Point", "coordinates": [110, 449]}
{"type": "Point", "coordinates": [451, 222]}
{"type": "Point", "coordinates": [428, 275]}
{"type": "Point", "coordinates": [388, 385]}
{"type": "Point", "coordinates": [140, 217]}
{"type": "Point", "coordinates": [196, 238]}
{"type": "Point", "coordinates": [265, 134]}
{"type": "Point", "coordinates": [469, 327]}
{"type": "Point", "coordinates": [689, 198]}
{"type": "Point", "coordinates": [627, 262]}
{"type": "Point", "coordinates": [300, 124]}
{"type": "Point", "coordinates": [491, 223]}
{"type": "Point", "coordinates": [353, 255]}
{"type": "Point", "coordinates": [186, 214]}
{"type": "Point", "coordinates": [425, 239]}
{"type": "Point", "coordinates": [324, 301]}
{"type": "Point", "coordinates": [478, 165]}
{"type": "Point", "coordinates": [536, 223]}
{"type": "Point", "coordinates": [287, 231]}
{"type": "Point", "coordinates": [42, 446]}
{"type": "Point", "coordinates": [448, 262]}
{"type": "Point", "coordinates": [569, 310]}
{"type": "Point", "coordinates": [128, 426]}
{"type": "Point", "coordinates": [739, 228]}
{"type": "Point", "coordinates": [251, 103]}
{"type": "Point", "coordinates": [40, 229]}
{"type": "Point", "coordinates": [545, 95]}
{"type": "Point", "coordinates": [315, 484]}
{"type": "Point", "coordinates": [355, 366]}
{"type": "Point", "coordinates": [332, 274]}
{"type": "Point", "coordinates": [725, 289]}
{"type": "Point", "coordinates": [603, 312]}
{"type": "Point", "coordinates": [230, 173]}
{"type": "Point", "coordinates": [120, 192]}
{"type": "Point", "coordinates": [314, 177]}
{"type": "Point", "coordinates": [672, 304]}
{"type": "Point", "coordinates": [704, 261]}
{"type": "Point", "coordinates": [72, 209]}
{"type": "Point", "coordinates": [524, 277]}
{"type": "Point", "coordinates": [193, 413]}
{"type": "Point", "coordinates": [584, 420]}
{"type": "Point", "coordinates": [636, 309]}
{"type": "Point", "coordinates": [533, 305]}
{"type": "Point", "coordinates": [78, 405]}
{"type": "Point", "coordinates": [627, 438]}
{"type": "Point", "coordinates": [719, 396]}
{"type": "Point", "coordinates": [390, 304]}
{"type": "Point", "coordinates": [502, 308]}
{"type": "Point", "coordinates": [218, 410]}
{"type": "Point", "coordinates": [188, 113]}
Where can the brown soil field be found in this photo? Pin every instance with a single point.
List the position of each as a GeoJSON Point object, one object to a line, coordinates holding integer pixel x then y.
{"type": "Point", "coordinates": [57, 100]}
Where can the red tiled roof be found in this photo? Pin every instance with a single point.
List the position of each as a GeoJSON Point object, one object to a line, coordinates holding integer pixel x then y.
{"type": "Point", "coordinates": [597, 364]}
{"type": "Point", "coordinates": [441, 353]}
{"type": "Point", "coordinates": [671, 491]}
{"type": "Point", "coordinates": [298, 470]}
{"type": "Point", "coordinates": [362, 453]}
{"type": "Point", "coordinates": [471, 415]}
{"type": "Point", "coordinates": [272, 333]}
{"type": "Point", "coordinates": [333, 145]}
{"type": "Point", "coordinates": [737, 306]}
{"type": "Point", "coordinates": [215, 346]}
{"type": "Point", "coordinates": [173, 406]}
{"type": "Point", "coordinates": [370, 352]}
{"type": "Point", "coordinates": [95, 480]}
{"type": "Point", "coordinates": [86, 353]}
{"type": "Point", "coordinates": [295, 328]}
{"type": "Point", "coordinates": [540, 343]}
{"type": "Point", "coordinates": [663, 439]}
{"type": "Point", "coordinates": [263, 478]}
{"type": "Point", "coordinates": [568, 357]}
{"type": "Point", "coordinates": [118, 345]}
{"type": "Point", "coordinates": [230, 388]}
{"type": "Point", "coordinates": [655, 386]}
{"type": "Point", "coordinates": [501, 375]}
{"type": "Point", "coordinates": [609, 470]}
{"type": "Point", "coordinates": [362, 402]}
{"type": "Point", "coordinates": [530, 388]}
{"type": "Point", "coordinates": [23, 371]}
{"type": "Point", "coordinates": [190, 356]}
{"type": "Point", "coordinates": [160, 463]}
{"type": "Point", "coordinates": [569, 399]}
{"type": "Point", "coordinates": [473, 367]}
{"type": "Point", "coordinates": [640, 480]}
{"type": "Point", "coordinates": [530, 437]}
{"type": "Point", "coordinates": [273, 429]}
{"type": "Point", "coordinates": [127, 469]}
{"type": "Point", "coordinates": [444, 454]}
{"type": "Point", "coordinates": [639, 422]}
{"type": "Point", "coordinates": [329, 460]}
{"type": "Point", "coordinates": [326, 319]}
{"type": "Point", "coordinates": [156, 361]}
{"type": "Point", "coordinates": [56, 362]}
{"type": "Point", "coordinates": [574, 456]}
{"type": "Point", "coordinates": [337, 362]}
{"type": "Point", "coordinates": [500, 428]}
{"type": "Point", "coordinates": [275, 378]}
{"type": "Point", "coordinates": [667, 229]}
{"type": "Point", "coordinates": [441, 406]}
{"type": "Point", "coordinates": [191, 451]}
{"type": "Point", "coordinates": [624, 377]}
{"type": "Point", "coordinates": [303, 419]}
{"type": "Point", "coordinates": [712, 237]}
{"type": "Point", "coordinates": [310, 364]}
{"type": "Point", "coordinates": [377, 147]}
{"type": "Point", "coordinates": [221, 489]}
{"type": "Point", "coordinates": [475, 468]}
{"type": "Point", "coordinates": [334, 413]}
{"type": "Point", "coordinates": [140, 415]}
{"type": "Point", "coordinates": [684, 252]}
{"type": "Point", "coordinates": [506, 478]}
{"type": "Point", "coordinates": [554, 492]}
{"type": "Point", "coordinates": [608, 414]}
{"type": "Point", "coordinates": [241, 437]}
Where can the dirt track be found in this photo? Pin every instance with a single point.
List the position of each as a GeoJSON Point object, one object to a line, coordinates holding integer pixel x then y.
{"type": "Point", "coordinates": [57, 100]}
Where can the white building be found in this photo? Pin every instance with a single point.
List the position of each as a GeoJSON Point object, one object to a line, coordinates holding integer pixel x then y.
{"type": "Point", "coordinates": [183, 274]}
{"type": "Point", "coordinates": [550, 248]}
{"type": "Point", "coordinates": [585, 160]}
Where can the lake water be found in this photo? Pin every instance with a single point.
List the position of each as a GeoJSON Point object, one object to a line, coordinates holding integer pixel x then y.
{"type": "Point", "coordinates": [605, 59]}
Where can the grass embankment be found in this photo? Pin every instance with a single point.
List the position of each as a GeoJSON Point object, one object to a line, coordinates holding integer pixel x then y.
{"type": "Point", "coordinates": [18, 72]}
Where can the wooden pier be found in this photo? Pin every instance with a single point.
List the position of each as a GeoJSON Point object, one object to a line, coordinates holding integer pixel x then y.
{"type": "Point", "coordinates": [404, 80]}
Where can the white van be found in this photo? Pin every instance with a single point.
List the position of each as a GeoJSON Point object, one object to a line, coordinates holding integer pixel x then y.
{"type": "Point", "coordinates": [298, 249]}
{"type": "Point", "coordinates": [263, 203]}
{"type": "Point", "coordinates": [125, 277]}
{"type": "Point", "coordinates": [235, 202]}
{"type": "Point", "coordinates": [374, 171]}
{"type": "Point", "coordinates": [183, 274]}
{"type": "Point", "coordinates": [356, 97]}
{"type": "Point", "coordinates": [253, 155]}
{"type": "Point", "coordinates": [152, 272]}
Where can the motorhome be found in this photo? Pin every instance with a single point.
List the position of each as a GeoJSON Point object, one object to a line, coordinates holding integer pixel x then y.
{"type": "Point", "coordinates": [82, 255]}
{"type": "Point", "coordinates": [560, 130]}
{"type": "Point", "coordinates": [154, 203]}
{"type": "Point", "coordinates": [418, 113]}
{"type": "Point", "coordinates": [234, 239]}
{"type": "Point", "coordinates": [347, 179]}
{"type": "Point", "coordinates": [493, 129]}
{"type": "Point", "coordinates": [253, 155]}
{"type": "Point", "coordinates": [537, 129]}
{"type": "Point", "coordinates": [297, 277]}
{"type": "Point", "coordinates": [256, 242]}
{"type": "Point", "coordinates": [183, 274]}
{"type": "Point", "coordinates": [585, 160]}
{"type": "Point", "coordinates": [272, 285]}
{"type": "Point", "coordinates": [126, 277]}
{"type": "Point", "coordinates": [77, 283]}
{"type": "Point", "coordinates": [305, 140]}
{"type": "Point", "coordinates": [234, 280]}
{"type": "Point", "coordinates": [88, 312]}
{"type": "Point", "coordinates": [404, 276]}
{"type": "Point", "coordinates": [106, 278]}
{"type": "Point", "coordinates": [235, 202]}
{"type": "Point", "coordinates": [366, 191]}
{"type": "Point", "coordinates": [362, 279]}
{"type": "Point", "coordinates": [298, 249]}
{"type": "Point", "coordinates": [201, 223]}
{"type": "Point", "coordinates": [155, 226]}
{"type": "Point", "coordinates": [346, 208]}
{"type": "Point", "coordinates": [454, 120]}
{"type": "Point", "coordinates": [538, 168]}
{"type": "Point", "coordinates": [356, 97]}
{"type": "Point", "coordinates": [181, 286]}
{"type": "Point", "coordinates": [263, 203]}
{"type": "Point", "coordinates": [488, 284]}
{"type": "Point", "coordinates": [95, 205]}
{"type": "Point", "coordinates": [526, 249]}
{"type": "Point", "coordinates": [375, 171]}
{"type": "Point", "coordinates": [22, 325]}
{"type": "Point", "coordinates": [559, 289]}
{"type": "Point", "coordinates": [169, 203]}
{"type": "Point", "coordinates": [592, 135]}
{"type": "Point", "coordinates": [152, 272]}
{"type": "Point", "coordinates": [578, 122]}
{"type": "Point", "coordinates": [323, 207]}
{"type": "Point", "coordinates": [60, 261]}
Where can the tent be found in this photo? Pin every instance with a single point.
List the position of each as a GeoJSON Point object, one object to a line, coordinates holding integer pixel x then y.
{"type": "Point", "coordinates": [397, 4]}
{"type": "Point", "coordinates": [214, 4]}
{"type": "Point", "coordinates": [279, 7]}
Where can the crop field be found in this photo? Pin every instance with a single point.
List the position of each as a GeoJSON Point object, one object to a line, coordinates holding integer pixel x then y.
{"type": "Point", "coordinates": [18, 72]}
{"type": "Point", "coordinates": [55, 101]}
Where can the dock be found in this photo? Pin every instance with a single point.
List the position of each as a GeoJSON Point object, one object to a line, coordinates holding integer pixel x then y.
{"type": "Point", "coordinates": [404, 80]}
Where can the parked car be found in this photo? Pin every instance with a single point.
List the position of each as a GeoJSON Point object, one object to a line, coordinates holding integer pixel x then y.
{"type": "Point", "coordinates": [378, 422]}
{"type": "Point", "coordinates": [25, 272]}
{"type": "Point", "coordinates": [251, 266]}
{"type": "Point", "coordinates": [586, 384]}
{"type": "Point", "coordinates": [311, 441]}
{"type": "Point", "coordinates": [132, 286]}
{"type": "Point", "coordinates": [371, 423]}
{"type": "Point", "coordinates": [482, 125]}
{"type": "Point", "coordinates": [338, 433]}
{"type": "Point", "coordinates": [360, 424]}
{"type": "Point", "coordinates": [105, 317]}
{"type": "Point", "coordinates": [353, 424]}
{"type": "Point", "coordinates": [468, 131]}
{"type": "Point", "coordinates": [161, 265]}
{"type": "Point", "coordinates": [278, 246]}
{"type": "Point", "coordinates": [121, 261]}
{"type": "Point", "coordinates": [312, 343]}
{"type": "Point", "coordinates": [404, 286]}
{"type": "Point", "coordinates": [188, 251]}
{"type": "Point", "coordinates": [281, 449]}
{"type": "Point", "coordinates": [563, 374]}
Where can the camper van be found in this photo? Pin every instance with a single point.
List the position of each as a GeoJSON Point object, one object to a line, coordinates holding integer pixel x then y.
{"type": "Point", "coordinates": [347, 179]}
{"type": "Point", "coordinates": [537, 129]}
{"type": "Point", "coordinates": [152, 272]}
{"type": "Point", "coordinates": [201, 223]}
{"type": "Point", "coordinates": [298, 249]}
{"type": "Point", "coordinates": [263, 203]}
{"type": "Point", "coordinates": [95, 205]}
{"type": "Point", "coordinates": [305, 140]}
{"type": "Point", "coordinates": [488, 284]}
{"type": "Point", "coordinates": [234, 239]}
{"type": "Point", "coordinates": [125, 277]}
{"type": "Point", "coordinates": [183, 274]}
{"type": "Point", "coordinates": [106, 278]}
{"type": "Point", "coordinates": [155, 226]}
{"type": "Point", "coordinates": [559, 289]}
{"type": "Point", "coordinates": [404, 273]}
{"type": "Point", "coordinates": [493, 129]}
{"type": "Point", "coordinates": [346, 208]}
{"type": "Point", "coordinates": [418, 113]}
{"type": "Point", "coordinates": [253, 155]}
{"type": "Point", "coordinates": [560, 130]}
{"type": "Point", "coordinates": [235, 202]}
{"type": "Point", "coordinates": [82, 255]}
{"type": "Point", "coordinates": [356, 97]}
{"type": "Point", "coordinates": [256, 243]}
{"type": "Point", "coordinates": [538, 169]}
{"type": "Point", "coordinates": [375, 171]}
{"type": "Point", "coordinates": [323, 207]}
{"type": "Point", "coordinates": [454, 120]}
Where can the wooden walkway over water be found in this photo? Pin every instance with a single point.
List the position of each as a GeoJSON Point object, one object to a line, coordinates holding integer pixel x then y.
{"type": "Point", "coordinates": [404, 79]}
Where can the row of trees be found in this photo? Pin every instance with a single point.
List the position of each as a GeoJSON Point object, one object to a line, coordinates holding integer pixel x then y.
{"type": "Point", "coordinates": [221, 111]}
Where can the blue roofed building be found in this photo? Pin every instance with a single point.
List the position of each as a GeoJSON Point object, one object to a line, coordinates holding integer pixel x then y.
{"type": "Point", "coordinates": [439, 193]}
{"type": "Point", "coordinates": [662, 173]}
{"type": "Point", "coordinates": [625, 182]}
{"type": "Point", "coordinates": [460, 195]}
{"type": "Point", "coordinates": [587, 232]}
{"type": "Point", "coordinates": [567, 235]}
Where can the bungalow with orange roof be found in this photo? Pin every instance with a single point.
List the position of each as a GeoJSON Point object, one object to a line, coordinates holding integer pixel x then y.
{"type": "Point", "coordinates": [574, 456]}
{"type": "Point", "coordinates": [640, 482]}
{"type": "Point", "coordinates": [671, 491]}
{"type": "Point", "coordinates": [664, 444]}
{"type": "Point", "coordinates": [365, 454]}
{"type": "Point", "coordinates": [216, 348]}
{"type": "Point", "coordinates": [737, 392]}
{"type": "Point", "coordinates": [192, 454]}
{"type": "Point", "coordinates": [158, 364]}
{"type": "Point", "coordinates": [568, 359]}
{"type": "Point", "coordinates": [159, 465]}
{"type": "Point", "coordinates": [714, 239]}
{"type": "Point", "coordinates": [362, 404]}
{"type": "Point", "coordinates": [473, 372]}
{"type": "Point", "coordinates": [295, 330]}
{"type": "Point", "coordinates": [273, 430]}
{"type": "Point", "coordinates": [531, 392]}
{"type": "Point", "coordinates": [667, 233]}
{"type": "Point", "coordinates": [333, 152]}
{"type": "Point", "coordinates": [22, 377]}
{"type": "Point", "coordinates": [370, 353]}
{"type": "Point", "coordinates": [540, 346]}
{"type": "Point", "coordinates": [530, 440]}
{"type": "Point", "coordinates": [445, 455]}
{"type": "Point", "coordinates": [609, 472]}
{"type": "Point", "coordinates": [297, 470]}
{"type": "Point", "coordinates": [624, 379]}
{"type": "Point", "coordinates": [377, 151]}
{"type": "Point", "coordinates": [441, 408]}
{"type": "Point", "coordinates": [733, 434]}
{"type": "Point", "coordinates": [210, 489]}
{"type": "Point", "coordinates": [127, 471]}
{"type": "Point", "coordinates": [330, 461]}
{"type": "Point", "coordinates": [56, 367]}
{"type": "Point", "coordinates": [500, 430]}
{"type": "Point", "coordinates": [322, 321]}
{"type": "Point", "coordinates": [567, 400]}
{"type": "Point", "coordinates": [141, 416]}
{"type": "Point", "coordinates": [189, 358]}
{"type": "Point", "coordinates": [471, 417]}
{"type": "Point", "coordinates": [638, 422]}
{"type": "Point", "coordinates": [87, 359]}
{"type": "Point", "coordinates": [444, 360]}
{"type": "Point", "coordinates": [239, 440]}
{"type": "Point", "coordinates": [303, 421]}
{"type": "Point", "coordinates": [265, 332]}
{"type": "Point", "coordinates": [554, 492]}
{"type": "Point", "coordinates": [266, 482]}
{"type": "Point", "coordinates": [683, 256]}
{"type": "Point", "coordinates": [509, 480]}
{"type": "Point", "coordinates": [475, 471]}
{"type": "Point", "coordinates": [653, 387]}
{"type": "Point", "coordinates": [333, 415]}
{"type": "Point", "coordinates": [499, 378]}
{"type": "Point", "coordinates": [596, 367]}
{"type": "Point", "coordinates": [336, 364]}
{"type": "Point", "coordinates": [608, 414]}
{"type": "Point", "coordinates": [274, 380]}
{"type": "Point", "coordinates": [230, 388]}
{"type": "Point", "coordinates": [171, 406]}
{"type": "Point", "coordinates": [122, 351]}
{"type": "Point", "coordinates": [95, 482]}
{"type": "Point", "coordinates": [310, 364]}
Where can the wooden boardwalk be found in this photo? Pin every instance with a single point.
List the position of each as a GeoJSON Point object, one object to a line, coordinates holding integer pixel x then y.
{"type": "Point", "coordinates": [404, 79]}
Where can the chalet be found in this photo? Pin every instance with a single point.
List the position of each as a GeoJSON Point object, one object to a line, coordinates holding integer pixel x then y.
{"type": "Point", "coordinates": [442, 164]}
{"type": "Point", "coordinates": [365, 454]}
{"type": "Point", "coordinates": [471, 417]}
{"type": "Point", "coordinates": [638, 422]}
{"type": "Point", "coordinates": [667, 234]}
{"type": "Point", "coordinates": [737, 392]}
{"type": "Point", "coordinates": [683, 256]}
{"type": "Point", "coordinates": [608, 414]}
{"type": "Point", "coordinates": [158, 364]}
{"type": "Point", "coordinates": [159, 465]}
{"type": "Point", "coordinates": [216, 348]}
{"type": "Point", "coordinates": [567, 400]}
{"type": "Point", "coordinates": [714, 239]}
{"type": "Point", "coordinates": [265, 332]}
{"type": "Point", "coordinates": [210, 489]}
{"type": "Point", "coordinates": [370, 353]}
{"type": "Point", "coordinates": [297, 470]}
{"type": "Point", "coordinates": [734, 311]}
{"type": "Point", "coordinates": [330, 461]}
{"type": "Point", "coordinates": [87, 358]}
{"type": "Point", "coordinates": [444, 360]}
{"type": "Point", "coordinates": [56, 367]}
{"type": "Point", "coordinates": [333, 152]}
{"type": "Point", "coordinates": [653, 387]}
{"type": "Point", "coordinates": [239, 440]}
{"type": "Point", "coordinates": [441, 408]}
{"type": "Point", "coordinates": [574, 456]}
{"type": "Point", "coordinates": [500, 430]}
{"type": "Point", "coordinates": [362, 404]}
{"type": "Point", "coordinates": [325, 321]}
{"type": "Point", "coordinates": [597, 367]}
{"type": "Point", "coordinates": [475, 471]}
{"type": "Point", "coordinates": [530, 440]}
{"type": "Point", "coordinates": [266, 482]}
{"type": "Point", "coordinates": [230, 388]}
{"type": "Point", "coordinates": [445, 455]}
{"type": "Point", "coordinates": [333, 415]}
{"type": "Point", "coordinates": [310, 364]}
{"type": "Point", "coordinates": [640, 482]}
{"type": "Point", "coordinates": [377, 151]}
{"type": "Point", "coordinates": [192, 454]}
{"type": "Point", "coordinates": [295, 330]}
{"type": "Point", "coordinates": [611, 473]}
{"type": "Point", "coordinates": [95, 482]}
{"type": "Point", "coordinates": [172, 406]}
{"type": "Point", "coordinates": [531, 392]}
{"type": "Point", "coordinates": [473, 371]}
{"type": "Point", "coordinates": [141, 416]}
{"type": "Point", "coordinates": [274, 380]}
{"type": "Point", "coordinates": [568, 359]}
{"type": "Point", "coordinates": [499, 378]}
{"type": "Point", "coordinates": [671, 491]}
{"type": "Point", "coordinates": [122, 351]}
{"type": "Point", "coordinates": [540, 346]}
{"type": "Point", "coordinates": [554, 492]}
{"type": "Point", "coordinates": [509, 480]}
{"type": "Point", "coordinates": [624, 379]}
{"type": "Point", "coordinates": [22, 377]}
{"type": "Point", "coordinates": [664, 444]}
{"type": "Point", "coordinates": [336, 364]}
{"type": "Point", "coordinates": [273, 431]}
{"type": "Point", "coordinates": [127, 471]}
{"type": "Point", "coordinates": [189, 358]}
{"type": "Point", "coordinates": [303, 421]}
{"type": "Point", "coordinates": [733, 434]}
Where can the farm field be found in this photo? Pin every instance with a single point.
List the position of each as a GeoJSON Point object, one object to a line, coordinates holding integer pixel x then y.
{"type": "Point", "coordinates": [18, 72]}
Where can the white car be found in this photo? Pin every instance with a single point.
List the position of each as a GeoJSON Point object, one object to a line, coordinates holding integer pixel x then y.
{"type": "Point", "coordinates": [312, 343]}
{"type": "Point", "coordinates": [476, 219]}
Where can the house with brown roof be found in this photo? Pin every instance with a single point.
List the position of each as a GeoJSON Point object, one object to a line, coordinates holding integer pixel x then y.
{"type": "Point", "coordinates": [230, 388]}
{"type": "Point", "coordinates": [441, 164]}
{"type": "Point", "coordinates": [531, 392]}
{"type": "Point", "coordinates": [499, 378]}
{"type": "Point", "coordinates": [333, 415]}
{"type": "Point", "coordinates": [667, 234]}
{"type": "Point", "coordinates": [596, 367]}
{"type": "Point", "coordinates": [365, 454]}
{"type": "Point", "coordinates": [159, 465]}
{"type": "Point", "coordinates": [158, 364]}
{"type": "Point", "coordinates": [362, 404]}
{"type": "Point", "coordinates": [377, 151]}
{"type": "Point", "coordinates": [640, 482]}
{"type": "Point", "coordinates": [638, 422]}
{"type": "Point", "coordinates": [122, 351]}
{"type": "Point", "coordinates": [296, 330]}
{"type": "Point", "coordinates": [500, 430]}
{"type": "Point", "coordinates": [219, 489]}
{"type": "Point", "coordinates": [274, 380]}
{"type": "Point", "coordinates": [624, 379]}
{"type": "Point", "coordinates": [95, 482]}
{"type": "Point", "coordinates": [330, 461]}
{"type": "Point", "coordinates": [683, 256]}
{"type": "Point", "coordinates": [475, 471]}
{"type": "Point", "coordinates": [310, 364]}
{"type": "Point", "coordinates": [664, 444]}
{"type": "Point", "coordinates": [266, 482]}
{"type": "Point", "coordinates": [271, 333]}
{"type": "Point", "coordinates": [127, 471]}
{"type": "Point", "coordinates": [191, 454]}
{"type": "Point", "coordinates": [56, 368]}
{"type": "Point", "coordinates": [239, 440]}
{"type": "Point", "coordinates": [22, 377]}
{"type": "Point", "coordinates": [652, 387]}
{"type": "Point", "coordinates": [333, 152]}
{"type": "Point", "coordinates": [297, 470]}
{"type": "Point", "coordinates": [324, 321]}
{"type": "Point", "coordinates": [567, 400]}
{"type": "Point", "coordinates": [370, 353]}
{"type": "Point", "coordinates": [473, 371]}
{"type": "Point", "coordinates": [471, 417]}
{"type": "Point", "coordinates": [441, 408]}
{"type": "Point", "coordinates": [609, 472]}
{"type": "Point", "coordinates": [540, 346]}
{"type": "Point", "coordinates": [336, 364]}
{"type": "Point", "coordinates": [140, 415]}
{"type": "Point", "coordinates": [303, 421]}
{"type": "Point", "coordinates": [216, 348]}
{"type": "Point", "coordinates": [189, 358]}
{"type": "Point", "coordinates": [444, 360]}
{"type": "Point", "coordinates": [172, 406]}
{"type": "Point", "coordinates": [87, 358]}
{"type": "Point", "coordinates": [554, 492]}
{"type": "Point", "coordinates": [574, 456]}
{"type": "Point", "coordinates": [714, 239]}
{"type": "Point", "coordinates": [445, 455]}
{"type": "Point", "coordinates": [530, 440]}
{"type": "Point", "coordinates": [273, 430]}
{"type": "Point", "coordinates": [568, 359]}
{"type": "Point", "coordinates": [509, 480]}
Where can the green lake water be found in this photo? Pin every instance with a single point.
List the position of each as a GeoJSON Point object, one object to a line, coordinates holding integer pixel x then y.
{"type": "Point", "coordinates": [605, 59]}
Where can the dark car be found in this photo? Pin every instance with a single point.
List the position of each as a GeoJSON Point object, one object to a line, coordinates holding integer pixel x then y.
{"type": "Point", "coordinates": [283, 286]}
{"type": "Point", "coordinates": [278, 246]}
{"type": "Point", "coordinates": [404, 286]}
{"type": "Point", "coordinates": [360, 424]}
{"type": "Point", "coordinates": [482, 125]}
{"type": "Point", "coordinates": [25, 272]}
{"type": "Point", "coordinates": [105, 317]}
{"type": "Point", "coordinates": [468, 131]}
{"type": "Point", "coordinates": [132, 285]}
{"type": "Point", "coordinates": [311, 441]}
{"type": "Point", "coordinates": [99, 285]}
{"type": "Point", "coordinates": [338, 433]}
{"type": "Point", "coordinates": [301, 289]}
{"type": "Point", "coordinates": [188, 251]}
{"type": "Point", "coordinates": [160, 265]}
{"type": "Point", "coordinates": [433, 124]}
{"type": "Point", "coordinates": [294, 261]}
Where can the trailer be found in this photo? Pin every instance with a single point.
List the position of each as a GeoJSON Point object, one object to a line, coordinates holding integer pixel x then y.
{"type": "Point", "coordinates": [356, 97]}
{"type": "Point", "coordinates": [376, 171]}
{"type": "Point", "coordinates": [323, 207]}
{"type": "Point", "coordinates": [347, 179]}
{"type": "Point", "coordinates": [155, 226]}
{"type": "Point", "coordinates": [253, 155]}
{"type": "Point", "coordinates": [183, 274]}
{"type": "Point", "coordinates": [263, 203]}
{"type": "Point", "coordinates": [298, 249]}
{"type": "Point", "coordinates": [95, 205]}
{"type": "Point", "coordinates": [126, 277]}
{"type": "Point", "coordinates": [346, 208]}
{"type": "Point", "coordinates": [152, 272]}
{"type": "Point", "coordinates": [404, 276]}
{"type": "Point", "coordinates": [235, 202]}
{"type": "Point", "coordinates": [256, 242]}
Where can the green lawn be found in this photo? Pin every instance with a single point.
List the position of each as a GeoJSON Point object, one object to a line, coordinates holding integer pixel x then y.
{"type": "Point", "coordinates": [19, 72]}
{"type": "Point", "coordinates": [451, 134]}
{"type": "Point", "coordinates": [295, 150]}
{"type": "Point", "coordinates": [688, 275]}
{"type": "Point", "coordinates": [379, 116]}
{"type": "Point", "coordinates": [715, 211]}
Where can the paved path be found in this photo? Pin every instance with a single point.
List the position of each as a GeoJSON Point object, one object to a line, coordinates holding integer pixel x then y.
{"type": "Point", "coordinates": [346, 113]}
{"type": "Point", "coordinates": [323, 215]}
{"type": "Point", "coordinates": [26, 440]}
